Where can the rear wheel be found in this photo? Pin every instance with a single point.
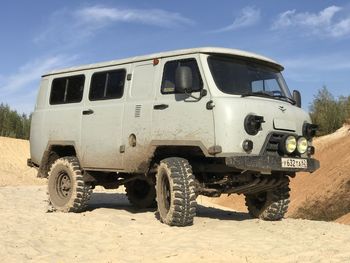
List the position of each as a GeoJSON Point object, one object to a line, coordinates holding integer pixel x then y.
{"type": "Point", "coordinates": [66, 188]}
{"type": "Point", "coordinates": [141, 193]}
{"type": "Point", "coordinates": [271, 205]}
{"type": "Point", "coordinates": [176, 197]}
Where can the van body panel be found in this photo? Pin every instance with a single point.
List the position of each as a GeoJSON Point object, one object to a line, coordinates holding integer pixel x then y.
{"type": "Point", "coordinates": [231, 111]}
{"type": "Point", "coordinates": [137, 119]}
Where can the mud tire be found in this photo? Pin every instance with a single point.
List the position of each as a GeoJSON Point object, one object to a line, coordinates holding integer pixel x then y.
{"type": "Point", "coordinates": [67, 190]}
{"type": "Point", "coordinates": [175, 187]}
{"type": "Point", "coordinates": [141, 193]}
{"type": "Point", "coordinates": [269, 206]}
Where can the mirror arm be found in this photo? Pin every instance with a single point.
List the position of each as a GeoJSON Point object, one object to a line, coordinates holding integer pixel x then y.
{"type": "Point", "coordinates": [202, 93]}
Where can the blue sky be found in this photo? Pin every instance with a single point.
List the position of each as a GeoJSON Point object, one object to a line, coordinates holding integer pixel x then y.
{"type": "Point", "coordinates": [310, 38]}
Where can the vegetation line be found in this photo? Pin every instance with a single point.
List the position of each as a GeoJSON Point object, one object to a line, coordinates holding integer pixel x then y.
{"type": "Point", "coordinates": [13, 124]}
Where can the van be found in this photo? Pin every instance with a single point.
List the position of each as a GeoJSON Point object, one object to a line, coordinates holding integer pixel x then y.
{"type": "Point", "coordinates": [169, 127]}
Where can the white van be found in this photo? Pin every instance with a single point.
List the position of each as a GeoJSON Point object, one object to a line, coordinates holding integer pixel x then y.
{"type": "Point", "coordinates": [171, 126]}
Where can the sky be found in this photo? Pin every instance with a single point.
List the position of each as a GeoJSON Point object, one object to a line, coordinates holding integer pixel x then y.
{"type": "Point", "coordinates": [311, 39]}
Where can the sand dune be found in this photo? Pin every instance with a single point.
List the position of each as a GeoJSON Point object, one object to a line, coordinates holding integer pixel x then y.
{"type": "Point", "coordinates": [13, 163]}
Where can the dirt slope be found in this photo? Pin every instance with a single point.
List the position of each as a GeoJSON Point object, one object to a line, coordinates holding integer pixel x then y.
{"type": "Point", "coordinates": [330, 185]}
{"type": "Point", "coordinates": [327, 186]}
{"type": "Point", "coordinates": [13, 163]}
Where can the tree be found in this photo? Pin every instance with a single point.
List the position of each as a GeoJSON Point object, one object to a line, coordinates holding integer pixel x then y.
{"type": "Point", "coordinates": [13, 124]}
{"type": "Point", "coordinates": [327, 112]}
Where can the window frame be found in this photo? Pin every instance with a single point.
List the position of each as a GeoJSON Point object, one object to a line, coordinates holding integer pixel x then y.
{"type": "Point", "coordinates": [66, 78]}
{"type": "Point", "coordinates": [201, 82]}
{"type": "Point", "coordinates": [107, 71]}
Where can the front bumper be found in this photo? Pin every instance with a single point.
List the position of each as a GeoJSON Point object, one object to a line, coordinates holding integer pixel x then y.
{"type": "Point", "coordinates": [265, 163]}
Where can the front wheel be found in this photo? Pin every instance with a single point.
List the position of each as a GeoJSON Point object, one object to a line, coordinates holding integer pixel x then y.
{"type": "Point", "coordinates": [271, 205]}
{"type": "Point", "coordinates": [175, 187]}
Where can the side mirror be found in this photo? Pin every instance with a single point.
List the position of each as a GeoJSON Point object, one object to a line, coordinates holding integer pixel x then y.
{"type": "Point", "coordinates": [183, 79]}
{"type": "Point", "coordinates": [297, 98]}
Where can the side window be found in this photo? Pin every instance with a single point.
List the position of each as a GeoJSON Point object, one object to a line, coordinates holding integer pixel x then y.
{"type": "Point", "coordinates": [107, 85]}
{"type": "Point", "coordinates": [67, 90]}
{"type": "Point", "coordinates": [168, 81]}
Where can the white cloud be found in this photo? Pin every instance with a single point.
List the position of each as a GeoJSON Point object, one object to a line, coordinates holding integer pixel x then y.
{"type": "Point", "coordinates": [154, 17]}
{"type": "Point", "coordinates": [248, 16]}
{"type": "Point", "coordinates": [67, 28]}
{"type": "Point", "coordinates": [31, 72]}
{"type": "Point", "coordinates": [325, 23]}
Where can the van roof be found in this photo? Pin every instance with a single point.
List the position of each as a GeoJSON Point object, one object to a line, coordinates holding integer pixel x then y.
{"type": "Point", "coordinates": [204, 50]}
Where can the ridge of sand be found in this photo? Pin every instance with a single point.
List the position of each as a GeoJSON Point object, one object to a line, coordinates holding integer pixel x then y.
{"type": "Point", "coordinates": [345, 219]}
{"type": "Point", "coordinates": [13, 163]}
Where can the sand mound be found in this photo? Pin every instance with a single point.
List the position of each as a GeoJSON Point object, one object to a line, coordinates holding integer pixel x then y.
{"type": "Point", "coordinates": [13, 163]}
{"type": "Point", "coordinates": [345, 219]}
{"type": "Point", "coordinates": [330, 185]}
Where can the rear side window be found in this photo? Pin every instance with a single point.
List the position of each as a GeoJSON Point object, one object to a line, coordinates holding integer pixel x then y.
{"type": "Point", "coordinates": [67, 90]}
{"type": "Point", "coordinates": [168, 82]}
{"type": "Point", "coordinates": [107, 85]}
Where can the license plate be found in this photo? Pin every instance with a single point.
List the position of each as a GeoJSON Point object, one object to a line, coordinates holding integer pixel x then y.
{"type": "Point", "coordinates": [294, 163]}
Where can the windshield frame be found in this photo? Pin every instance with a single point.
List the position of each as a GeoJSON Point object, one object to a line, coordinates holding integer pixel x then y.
{"type": "Point", "coordinates": [249, 64]}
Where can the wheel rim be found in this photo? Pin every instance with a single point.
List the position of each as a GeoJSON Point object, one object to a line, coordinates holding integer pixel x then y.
{"type": "Point", "coordinates": [166, 192]}
{"type": "Point", "coordinates": [63, 186]}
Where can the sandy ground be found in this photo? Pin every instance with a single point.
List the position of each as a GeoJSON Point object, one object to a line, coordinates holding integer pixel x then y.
{"type": "Point", "coordinates": [112, 231]}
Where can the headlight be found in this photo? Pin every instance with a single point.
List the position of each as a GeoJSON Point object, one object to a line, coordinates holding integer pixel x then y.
{"type": "Point", "coordinates": [302, 145]}
{"type": "Point", "coordinates": [252, 124]}
{"type": "Point", "coordinates": [290, 144]}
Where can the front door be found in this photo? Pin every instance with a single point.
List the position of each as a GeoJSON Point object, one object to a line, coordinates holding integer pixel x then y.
{"type": "Point", "coordinates": [179, 119]}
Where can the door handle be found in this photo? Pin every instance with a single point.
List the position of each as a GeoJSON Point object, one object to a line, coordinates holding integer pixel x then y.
{"type": "Point", "coordinates": [88, 112]}
{"type": "Point", "coordinates": [160, 106]}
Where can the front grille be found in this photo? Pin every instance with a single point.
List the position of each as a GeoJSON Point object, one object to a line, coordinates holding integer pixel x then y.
{"type": "Point", "coordinates": [271, 146]}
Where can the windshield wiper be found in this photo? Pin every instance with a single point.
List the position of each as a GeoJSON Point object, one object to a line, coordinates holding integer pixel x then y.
{"type": "Point", "coordinates": [258, 94]}
{"type": "Point", "coordinates": [293, 102]}
{"type": "Point", "coordinates": [269, 95]}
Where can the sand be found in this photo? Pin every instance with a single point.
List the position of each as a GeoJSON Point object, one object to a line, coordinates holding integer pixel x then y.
{"type": "Point", "coordinates": [111, 230]}
{"type": "Point", "coordinates": [13, 163]}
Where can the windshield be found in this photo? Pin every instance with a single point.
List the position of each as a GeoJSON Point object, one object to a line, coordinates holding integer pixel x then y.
{"type": "Point", "coordinates": [246, 78]}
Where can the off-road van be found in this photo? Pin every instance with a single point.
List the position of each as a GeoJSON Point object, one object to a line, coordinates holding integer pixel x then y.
{"type": "Point", "coordinates": [169, 127]}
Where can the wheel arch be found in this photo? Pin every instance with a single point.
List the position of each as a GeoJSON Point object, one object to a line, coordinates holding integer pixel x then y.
{"type": "Point", "coordinates": [55, 150]}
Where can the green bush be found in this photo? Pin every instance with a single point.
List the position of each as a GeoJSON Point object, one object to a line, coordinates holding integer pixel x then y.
{"type": "Point", "coordinates": [329, 113]}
